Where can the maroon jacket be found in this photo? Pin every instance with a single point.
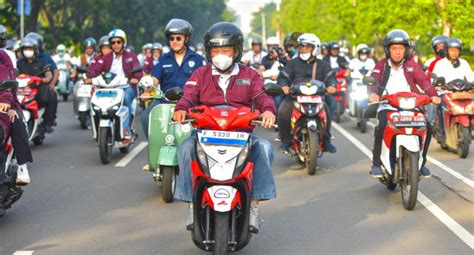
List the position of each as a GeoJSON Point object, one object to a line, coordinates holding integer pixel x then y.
{"type": "Point", "coordinates": [202, 88]}
{"type": "Point", "coordinates": [6, 97]}
{"type": "Point", "coordinates": [7, 72]}
{"type": "Point", "coordinates": [103, 64]}
{"type": "Point", "coordinates": [413, 73]}
{"type": "Point", "coordinates": [148, 65]}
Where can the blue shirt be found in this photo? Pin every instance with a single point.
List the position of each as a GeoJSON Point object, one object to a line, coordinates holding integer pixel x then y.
{"type": "Point", "coordinates": [170, 74]}
{"type": "Point", "coordinates": [48, 59]}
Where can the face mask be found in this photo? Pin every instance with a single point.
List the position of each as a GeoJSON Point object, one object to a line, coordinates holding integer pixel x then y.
{"type": "Point", "coordinates": [28, 53]}
{"type": "Point", "coordinates": [442, 53]}
{"type": "Point", "coordinates": [222, 62]}
{"type": "Point", "coordinates": [293, 52]}
{"type": "Point", "coordinates": [363, 57]}
{"type": "Point", "coordinates": [305, 56]}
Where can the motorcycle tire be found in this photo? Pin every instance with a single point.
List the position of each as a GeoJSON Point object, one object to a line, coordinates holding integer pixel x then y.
{"type": "Point", "coordinates": [221, 233]}
{"type": "Point", "coordinates": [65, 97]}
{"type": "Point", "coordinates": [38, 140]}
{"type": "Point", "coordinates": [312, 158]}
{"type": "Point", "coordinates": [410, 177]}
{"type": "Point", "coordinates": [125, 149]}
{"type": "Point", "coordinates": [363, 126]}
{"type": "Point", "coordinates": [339, 111]}
{"type": "Point", "coordinates": [464, 140]}
{"type": "Point", "coordinates": [104, 149]}
{"type": "Point", "coordinates": [83, 120]}
{"type": "Point", "coordinates": [169, 181]}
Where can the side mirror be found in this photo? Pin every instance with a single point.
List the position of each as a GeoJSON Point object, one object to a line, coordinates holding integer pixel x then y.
{"type": "Point", "coordinates": [174, 94]}
{"type": "Point", "coordinates": [272, 89]}
{"type": "Point", "coordinates": [369, 81]}
{"type": "Point", "coordinates": [137, 69]}
{"type": "Point", "coordinates": [81, 70]}
{"type": "Point", "coordinates": [10, 85]}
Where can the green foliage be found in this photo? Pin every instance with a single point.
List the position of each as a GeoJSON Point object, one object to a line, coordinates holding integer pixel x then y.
{"type": "Point", "coordinates": [71, 21]}
{"type": "Point", "coordinates": [270, 14]}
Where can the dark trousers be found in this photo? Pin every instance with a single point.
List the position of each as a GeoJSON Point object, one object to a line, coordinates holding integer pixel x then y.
{"type": "Point", "coordinates": [20, 142]}
{"type": "Point", "coordinates": [284, 121]}
{"type": "Point", "coordinates": [378, 138]}
{"type": "Point", "coordinates": [51, 105]}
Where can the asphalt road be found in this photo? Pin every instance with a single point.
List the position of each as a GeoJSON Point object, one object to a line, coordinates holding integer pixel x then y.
{"type": "Point", "coordinates": [76, 205]}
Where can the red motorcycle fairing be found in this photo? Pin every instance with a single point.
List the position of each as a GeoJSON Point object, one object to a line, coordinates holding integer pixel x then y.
{"type": "Point", "coordinates": [391, 130]}
{"type": "Point", "coordinates": [341, 87]}
{"type": "Point", "coordinates": [296, 116]}
{"type": "Point", "coordinates": [460, 107]}
{"type": "Point", "coordinates": [223, 119]}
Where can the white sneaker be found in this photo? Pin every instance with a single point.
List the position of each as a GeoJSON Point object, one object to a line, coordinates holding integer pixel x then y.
{"type": "Point", "coordinates": [22, 178]}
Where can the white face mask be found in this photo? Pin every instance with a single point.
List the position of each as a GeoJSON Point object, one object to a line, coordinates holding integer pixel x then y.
{"type": "Point", "coordinates": [363, 57]}
{"type": "Point", "coordinates": [28, 53]}
{"type": "Point", "coordinates": [305, 56]}
{"type": "Point", "coordinates": [222, 62]}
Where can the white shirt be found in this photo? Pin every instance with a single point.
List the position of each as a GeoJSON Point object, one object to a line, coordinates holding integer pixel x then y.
{"type": "Point", "coordinates": [62, 62]}
{"type": "Point", "coordinates": [397, 82]}
{"type": "Point", "coordinates": [224, 79]}
{"type": "Point", "coordinates": [116, 67]}
{"type": "Point", "coordinates": [253, 58]}
{"type": "Point", "coordinates": [444, 68]}
{"type": "Point", "coordinates": [333, 62]}
{"type": "Point", "coordinates": [12, 57]}
{"type": "Point", "coordinates": [273, 71]}
{"type": "Point", "coordinates": [356, 64]}
{"type": "Point", "coordinates": [429, 61]}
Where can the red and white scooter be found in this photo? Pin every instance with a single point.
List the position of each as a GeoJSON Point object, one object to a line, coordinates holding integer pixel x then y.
{"type": "Point", "coordinates": [403, 142]}
{"type": "Point", "coordinates": [32, 110]}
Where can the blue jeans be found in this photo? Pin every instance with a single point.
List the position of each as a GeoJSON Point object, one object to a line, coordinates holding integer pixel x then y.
{"type": "Point", "coordinates": [129, 94]}
{"type": "Point", "coordinates": [145, 115]}
{"type": "Point", "coordinates": [331, 102]}
{"type": "Point", "coordinates": [263, 186]}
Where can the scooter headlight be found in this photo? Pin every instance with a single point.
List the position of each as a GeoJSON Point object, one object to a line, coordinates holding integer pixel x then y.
{"type": "Point", "coordinates": [407, 103]}
{"type": "Point", "coordinates": [169, 140]}
{"type": "Point", "coordinates": [202, 158]}
{"type": "Point", "coordinates": [241, 159]}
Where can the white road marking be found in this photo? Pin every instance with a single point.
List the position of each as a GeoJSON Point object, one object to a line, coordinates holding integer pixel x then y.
{"type": "Point", "coordinates": [455, 227]}
{"type": "Point", "coordinates": [129, 157]}
{"type": "Point", "coordinates": [23, 252]}
{"type": "Point", "coordinates": [444, 167]}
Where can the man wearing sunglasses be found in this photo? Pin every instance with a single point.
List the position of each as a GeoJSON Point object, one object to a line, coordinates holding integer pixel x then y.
{"type": "Point", "coordinates": [122, 63]}
{"type": "Point", "coordinates": [175, 67]}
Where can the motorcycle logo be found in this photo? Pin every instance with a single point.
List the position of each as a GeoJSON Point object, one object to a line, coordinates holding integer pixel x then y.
{"type": "Point", "coordinates": [222, 193]}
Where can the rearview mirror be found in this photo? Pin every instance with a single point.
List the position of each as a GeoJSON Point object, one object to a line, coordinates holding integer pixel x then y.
{"type": "Point", "coordinates": [10, 85]}
{"type": "Point", "coordinates": [136, 69]}
{"type": "Point", "coordinates": [174, 94]}
{"type": "Point", "coordinates": [272, 89]}
{"type": "Point", "coordinates": [81, 70]}
{"type": "Point", "coordinates": [369, 81]}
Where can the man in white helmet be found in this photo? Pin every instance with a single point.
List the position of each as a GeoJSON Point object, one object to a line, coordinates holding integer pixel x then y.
{"type": "Point", "coordinates": [300, 69]}
{"type": "Point", "coordinates": [361, 65]}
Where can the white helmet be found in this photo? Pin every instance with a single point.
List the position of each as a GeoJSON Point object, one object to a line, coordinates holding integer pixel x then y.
{"type": "Point", "coordinates": [16, 46]}
{"type": "Point", "coordinates": [310, 39]}
{"type": "Point", "coordinates": [361, 46]}
{"type": "Point", "coordinates": [273, 40]}
{"type": "Point", "coordinates": [120, 34]}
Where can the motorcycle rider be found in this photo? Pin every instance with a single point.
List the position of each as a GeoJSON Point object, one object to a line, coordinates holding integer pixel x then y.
{"type": "Point", "coordinates": [121, 63]}
{"type": "Point", "coordinates": [362, 62]}
{"type": "Point", "coordinates": [146, 53]}
{"type": "Point", "coordinates": [156, 52]}
{"type": "Point", "coordinates": [62, 56]}
{"type": "Point", "coordinates": [104, 46]}
{"type": "Point", "coordinates": [439, 46]}
{"type": "Point", "coordinates": [324, 51]}
{"type": "Point", "coordinates": [397, 73]}
{"type": "Point", "coordinates": [200, 49]}
{"type": "Point", "coordinates": [334, 59]}
{"type": "Point", "coordinates": [300, 68]}
{"type": "Point", "coordinates": [3, 41]}
{"type": "Point", "coordinates": [174, 67]}
{"type": "Point", "coordinates": [290, 49]}
{"type": "Point", "coordinates": [213, 85]}
{"type": "Point", "coordinates": [14, 123]}
{"type": "Point", "coordinates": [254, 57]}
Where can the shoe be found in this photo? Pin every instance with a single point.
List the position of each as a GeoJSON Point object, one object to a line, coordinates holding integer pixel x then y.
{"type": "Point", "coordinates": [425, 172]}
{"type": "Point", "coordinates": [190, 219]}
{"type": "Point", "coordinates": [284, 147]}
{"type": "Point", "coordinates": [254, 225]}
{"type": "Point", "coordinates": [329, 147]}
{"type": "Point", "coordinates": [22, 178]}
{"type": "Point", "coordinates": [146, 168]}
{"type": "Point", "coordinates": [376, 172]}
{"type": "Point", "coordinates": [48, 129]}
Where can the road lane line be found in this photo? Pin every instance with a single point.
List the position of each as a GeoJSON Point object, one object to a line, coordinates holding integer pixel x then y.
{"type": "Point", "coordinates": [129, 157]}
{"type": "Point", "coordinates": [23, 253]}
{"type": "Point", "coordinates": [444, 167]}
{"type": "Point", "coordinates": [455, 227]}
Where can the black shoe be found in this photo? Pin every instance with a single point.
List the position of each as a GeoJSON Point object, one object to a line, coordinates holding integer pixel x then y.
{"type": "Point", "coordinates": [376, 172]}
{"type": "Point", "coordinates": [425, 172]}
{"type": "Point", "coordinates": [329, 147]}
{"type": "Point", "coordinates": [48, 129]}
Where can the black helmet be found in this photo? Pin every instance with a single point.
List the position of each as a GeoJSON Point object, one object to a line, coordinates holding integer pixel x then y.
{"type": "Point", "coordinates": [104, 41]}
{"type": "Point", "coordinates": [454, 42]}
{"type": "Point", "coordinates": [334, 45]}
{"type": "Point", "coordinates": [224, 34]}
{"type": "Point", "coordinates": [179, 26]}
{"type": "Point", "coordinates": [89, 42]}
{"type": "Point", "coordinates": [396, 36]}
{"type": "Point", "coordinates": [287, 41]}
{"type": "Point", "coordinates": [3, 35]}
{"type": "Point", "coordinates": [39, 39]}
{"type": "Point", "coordinates": [324, 46]}
{"type": "Point", "coordinates": [256, 41]}
{"type": "Point", "coordinates": [439, 39]}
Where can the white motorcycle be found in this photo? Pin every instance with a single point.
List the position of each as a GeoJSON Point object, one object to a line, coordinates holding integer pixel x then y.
{"type": "Point", "coordinates": [110, 117]}
{"type": "Point", "coordinates": [82, 94]}
{"type": "Point", "coordinates": [358, 103]}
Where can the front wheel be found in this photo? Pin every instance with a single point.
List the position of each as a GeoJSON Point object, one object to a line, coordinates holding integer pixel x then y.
{"type": "Point", "coordinates": [83, 120]}
{"type": "Point", "coordinates": [65, 97]}
{"type": "Point", "coordinates": [221, 233]}
{"type": "Point", "coordinates": [312, 152]}
{"type": "Point", "coordinates": [169, 181]}
{"type": "Point", "coordinates": [363, 125]}
{"type": "Point", "coordinates": [410, 178]}
{"type": "Point", "coordinates": [105, 145]}
{"type": "Point", "coordinates": [338, 113]}
{"type": "Point", "coordinates": [464, 140]}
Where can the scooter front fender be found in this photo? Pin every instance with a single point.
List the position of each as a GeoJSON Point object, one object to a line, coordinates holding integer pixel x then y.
{"type": "Point", "coordinates": [222, 197]}
{"type": "Point", "coordinates": [411, 143]}
{"type": "Point", "coordinates": [168, 156]}
{"type": "Point", "coordinates": [105, 123]}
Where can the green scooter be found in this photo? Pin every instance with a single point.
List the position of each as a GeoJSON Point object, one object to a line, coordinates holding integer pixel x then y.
{"type": "Point", "coordinates": [164, 139]}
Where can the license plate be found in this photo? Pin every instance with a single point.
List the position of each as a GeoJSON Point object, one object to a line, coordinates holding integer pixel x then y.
{"type": "Point", "coordinates": [23, 91]}
{"type": "Point", "coordinates": [409, 121]}
{"type": "Point", "coordinates": [309, 99]}
{"type": "Point", "coordinates": [223, 137]}
{"type": "Point", "coordinates": [106, 94]}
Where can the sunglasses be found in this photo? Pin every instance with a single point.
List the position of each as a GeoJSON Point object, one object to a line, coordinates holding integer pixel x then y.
{"type": "Point", "coordinates": [116, 42]}
{"type": "Point", "coordinates": [176, 38]}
